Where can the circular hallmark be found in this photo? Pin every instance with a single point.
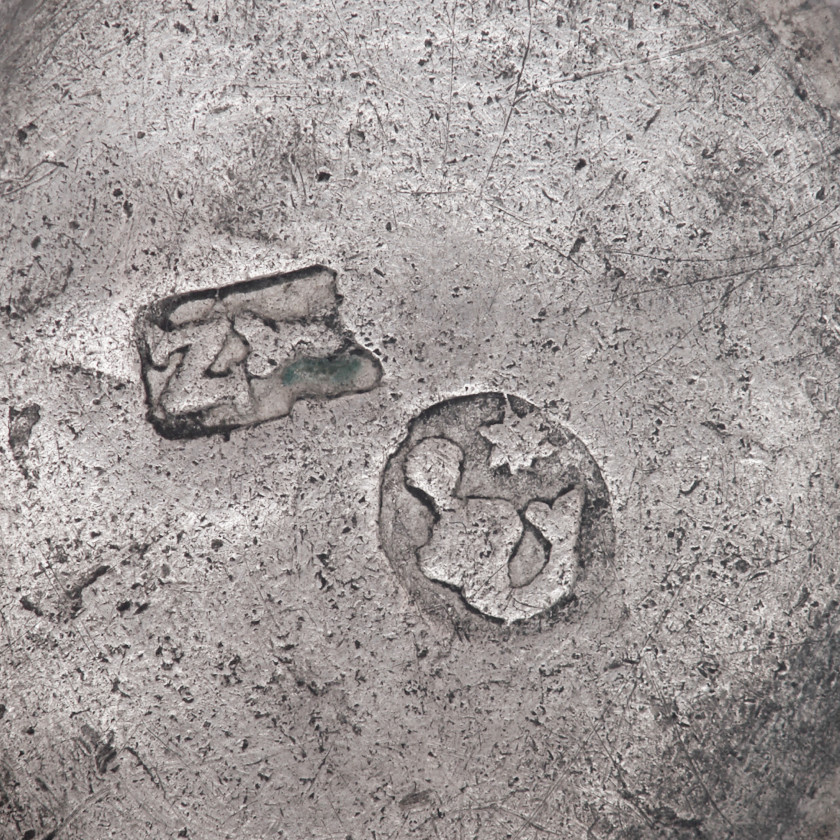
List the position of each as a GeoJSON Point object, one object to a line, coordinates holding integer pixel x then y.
{"type": "Point", "coordinates": [489, 508]}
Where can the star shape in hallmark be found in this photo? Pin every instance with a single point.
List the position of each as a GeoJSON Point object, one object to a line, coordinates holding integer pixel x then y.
{"type": "Point", "coordinates": [517, 441]}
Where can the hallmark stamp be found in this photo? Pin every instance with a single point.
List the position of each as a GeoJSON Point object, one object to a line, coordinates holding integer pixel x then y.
{"type": "Point", "coordinates": [218, 359]}
{"type": "Point", "coordinates": [488, 507]}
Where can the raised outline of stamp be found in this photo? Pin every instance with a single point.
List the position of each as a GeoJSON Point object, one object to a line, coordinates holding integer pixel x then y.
{"type": "Point", "coordinates": [217, 359]}
{"type": "Point", "coordinates": [488, 508]}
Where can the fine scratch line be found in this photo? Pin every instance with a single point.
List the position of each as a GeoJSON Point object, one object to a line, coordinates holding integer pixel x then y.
{"type": "Point", "coordinates": [513, 101]}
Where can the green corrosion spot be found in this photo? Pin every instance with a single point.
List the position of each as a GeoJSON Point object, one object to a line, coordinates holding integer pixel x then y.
{"type": "Point", "coordinates": [322, 371]}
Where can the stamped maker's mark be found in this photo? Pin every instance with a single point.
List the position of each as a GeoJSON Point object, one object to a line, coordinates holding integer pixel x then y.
{"type": "Point", "coordinates": [218, 359]}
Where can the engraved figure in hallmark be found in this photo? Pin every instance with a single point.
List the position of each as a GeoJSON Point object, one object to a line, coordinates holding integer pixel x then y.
{"type": "Point", "coordinates": [507, 564]}
{"type": "Point", "coordinates": [218, 359]}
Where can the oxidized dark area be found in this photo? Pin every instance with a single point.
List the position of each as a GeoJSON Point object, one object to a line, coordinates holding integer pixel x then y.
{"type": "Point", "coordinates": [21, 423]}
